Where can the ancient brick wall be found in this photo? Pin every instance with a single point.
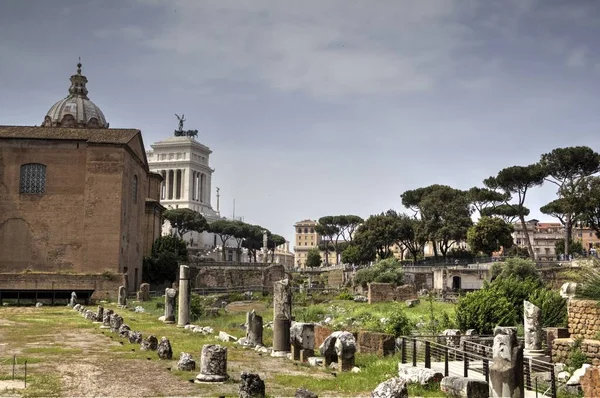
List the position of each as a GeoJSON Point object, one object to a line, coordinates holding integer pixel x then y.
{"type": "Point", "coordinates": [236, 276]}
{"type": "Point", "coordinates": [562, 347]}
{"type": "Point", "coordinates": [383, 292]}
{"type": "Point", "coordinates": [335, 278]}
{"type": "Point", "coordinates": [321, 333]}
{"type": "Point", "coordinates": [584, 318]}
{"type": "Point", "coordinates": [376, 343]}
{"type": "Point", "coordinates": [104, 286]}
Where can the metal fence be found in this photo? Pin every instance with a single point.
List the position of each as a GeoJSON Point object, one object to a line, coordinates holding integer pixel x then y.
{"type": "Point", "coordinates": [470, 359]}
{"type": "Point", "coordinates": [11, 368]}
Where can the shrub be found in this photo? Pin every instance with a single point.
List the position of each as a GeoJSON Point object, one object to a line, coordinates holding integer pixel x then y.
{"type": "Point", "coordinates": [590, 287]}
{"type": "Point", "coordinates": [344, 296]}
{"type": "Point", "coordinates": [385, 271]}
{"type": "Point", "coordinates": [398, 324]}
{"type": "Point", "coordinates": [483, 310]}
{"type": "Point", "coordinates": [197, 307]}
{"type": "Point", "coordinates": [576, 357]}
{"type": "Point", "coordinates": [516, 291]}
{"type": "Point", "coordinates": [553, 306]}
{"type": "Point", "coordinates": [518, 268]}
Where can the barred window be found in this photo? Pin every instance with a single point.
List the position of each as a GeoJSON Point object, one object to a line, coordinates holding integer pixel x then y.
{"type": "Point", "coordinates": [135, 188]}
{"type": "Point", "coordinates": [33, 178]}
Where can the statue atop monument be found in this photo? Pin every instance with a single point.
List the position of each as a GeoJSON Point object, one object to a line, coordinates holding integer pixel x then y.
{"type": "Point", "coordinates": [180, 132]}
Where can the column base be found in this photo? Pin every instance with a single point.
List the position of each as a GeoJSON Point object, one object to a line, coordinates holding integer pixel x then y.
{"type": "Point", "coordinates": [533, 353]}
{"type": "Point", "coordinates": [202, 378]}
{"type": "Point", "coordinates": [169, 322]}
{"type": "Point", "coordinates": [280, 354]}
{"type": "Point", "coordinates": [104, 327]}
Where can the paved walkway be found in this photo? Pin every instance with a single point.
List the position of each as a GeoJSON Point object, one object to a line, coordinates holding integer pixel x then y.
{"type": "Point", "coordinates": [456, 368]}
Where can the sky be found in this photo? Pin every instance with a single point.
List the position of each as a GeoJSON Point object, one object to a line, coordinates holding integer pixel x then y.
{"type": "Point", "coordinates": [321, 107]}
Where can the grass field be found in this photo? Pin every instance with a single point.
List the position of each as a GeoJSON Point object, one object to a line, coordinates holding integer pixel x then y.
{"type": "Point", "coordinates": [68, 355]}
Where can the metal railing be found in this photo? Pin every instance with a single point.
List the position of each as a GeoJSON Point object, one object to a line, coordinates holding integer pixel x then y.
{"type": "Point", "coordinates": [16, 370]}
{"type": "Point", "coordinates": [470, 359]}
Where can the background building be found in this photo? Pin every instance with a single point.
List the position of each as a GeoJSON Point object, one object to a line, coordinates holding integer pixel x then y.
{"type": "Point", "coordinates": [543, 237]}
{"type": "Point", "coordinates": [77, 201]}
{"type": "Point", "coordinates": [306, 238]}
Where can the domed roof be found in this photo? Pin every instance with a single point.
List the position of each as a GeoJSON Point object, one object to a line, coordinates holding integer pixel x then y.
{"type": "Point", "coordinates": [76, 110]}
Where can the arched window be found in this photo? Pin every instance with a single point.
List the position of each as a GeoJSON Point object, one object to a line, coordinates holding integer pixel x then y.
{"type": "Point", "coordinates": [33, 178]}
{"type": "Point", "coordinates": [135, 188]}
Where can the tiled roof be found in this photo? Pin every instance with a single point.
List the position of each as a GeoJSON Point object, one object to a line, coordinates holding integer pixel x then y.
{"type": "Point", "coordinates": [107, 136]}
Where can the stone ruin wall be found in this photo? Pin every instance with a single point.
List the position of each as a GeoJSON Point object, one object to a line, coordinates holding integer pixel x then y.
{"type": "Point", "coordinates": [384, 292]}
{"type": "Point", "coordinates": [584, 318]}
{"type": "Point", "coordinates": [104, 286]}
{"type": "Point", "coordinates": [233, 276]}
{"type": "Point", "coordinates": [562, 347]}
{"type": "Point", "coordinates": [335, 278]}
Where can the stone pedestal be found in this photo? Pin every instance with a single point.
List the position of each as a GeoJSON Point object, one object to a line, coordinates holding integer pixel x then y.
{"type": "Point", "coordinates": [122, 298]}
{"type": "Point", "coordinates": [302, 340]}
{"type": "Point", "coordinates": [99, 315]}
{"type": "Point", "coordinates": [506, 371]}
{"type": "Point", "coordinates": [339, 347]}
{"type": "Point", "coordinates": [183, 317]}
{"type": "Point", "coordinates": [282, 318]}
{"type": "Point", "coordinates": [254, 329]}
{"type": "Point", "coordinates": [115, 322]}
{"type": "Point", "coordinates": [533, 330]}
{"type": "Point", "coordinates": [106, 319]}
{"type": "Point", "coordinates": [170, 297]}
{"type": "Point", "coordinates": [213, 364]}
{"type": "Point", "coordinates": [144, 293]}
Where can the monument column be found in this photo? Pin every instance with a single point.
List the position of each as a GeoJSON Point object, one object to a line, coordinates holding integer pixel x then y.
{"type": "Point", "coordinates": [167, 183]}
{"type": "Point", "coordinates": [282, 318]}
{"type": "Point", "coordinates": [184, 296]}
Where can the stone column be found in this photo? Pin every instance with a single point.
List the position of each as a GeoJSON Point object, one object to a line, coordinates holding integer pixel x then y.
{"type": "Point", "coordinates": [254, 329]}
{"type": "Point", "coordinates": [282, 318]}
{"type": "Point", "coordinates": [144, 293]}
{"type": "Point", "coordinates": [184, 296]}
{"type": "Point", "coordinates": [122, 298]}
{"type": "Point", "coordinates": [170, 296]}
{"type": "Point", "coordinates": [213, 364]}
{"type": "Point", "coordinates": [533, 330]}
{"type": "Point", "coordinates": [506, 371]}
{"type": "Point", "coordinates": [167, 183]}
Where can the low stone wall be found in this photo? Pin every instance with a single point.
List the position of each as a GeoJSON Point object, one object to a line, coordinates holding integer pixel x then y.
{"type": "Point", "coordinates": [383, 292]}
{"type": "Point", "coordinates": [335, 278]}
{"type": "Point", "coordinates": [584, 318]}
{"type": "Point", "coordinates": [236, 276]}
{"type": "Point", "coordinates": [562, 347]}
{"type": "Point", "coordinates": [103, 285]}
{"type": "Point", "coordinates": [376, 343]}
{"type": "Point", "coordinates": [321, 333]}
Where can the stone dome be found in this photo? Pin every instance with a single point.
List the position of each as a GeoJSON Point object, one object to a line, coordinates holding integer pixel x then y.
{"type": "Point", "coordinates": [76, 110]}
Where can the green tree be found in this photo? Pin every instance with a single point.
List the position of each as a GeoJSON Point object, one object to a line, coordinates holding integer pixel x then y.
{"type": "Point", "coordinates": [445, 213]}
{"type": "Point", "coordinates": [489, 235]}
{"type": "Point", "coordinates": [483, 310]}
{"type": "Point", "coordinates": [327, 228]}
{"type": "Point", "coordinates": [378, 234]}
{"type": "Point", "coordinates": [589, 203]}
{"type": "Point", "coordinates": [568, 168]}
{"type": "Point", "coordinates": [515, 182]}
{"type": "Point", "coordinates": [273, 241]}
{"type": "Point", "coordinates": [508, 213]}
{"type": "Point", "coordinates": [253, 241]}
{"type": "Point", "coordinates": [225, 230]}
{"type": "Point", "coordinates": [559, 247]}
{"type": "Point", "coordinates": [357, 254]}
{"type": "Point", "coordinates": [553, 307]}
{"type": "Point", "coordinates": [167, 252]}
{"type": "Point", "coordinates": [411, 235]}
{"type": "Point", "coordinates": [313, 258]}
{"type": "Point", "coordinates": [185, 220]}
{"type": "Point", "coordinates": [484, 199]}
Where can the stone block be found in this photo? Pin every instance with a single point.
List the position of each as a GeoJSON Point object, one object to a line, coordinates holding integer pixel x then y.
{"type": "Point", "coordinates": [423, 376]}
{"type": "Point", "coordinates": [392, 388]}
{"type": "Point", "coordinates": [463, 387]}
{"type": "Point", "coordinates": [376, 343]}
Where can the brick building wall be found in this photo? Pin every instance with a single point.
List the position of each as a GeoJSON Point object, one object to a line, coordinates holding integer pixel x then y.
{"type": "Point", "coordinates": [383, 292]}
{"type": "Point", "coordinates": [236, 276]}
{"type": "Point", "coordinates": [584, 318]}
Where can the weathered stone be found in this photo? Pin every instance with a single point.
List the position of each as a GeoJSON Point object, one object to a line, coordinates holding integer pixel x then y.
{"type": "Point", "coordinates": [282, 317]}
{"type": "Point", "coordinates": [213, 364]}
{"type": "Point", "coordinates": [183, 314]}
{"type": "Point", "coordinates": [106, 319]}
{"type": "Point", "coordinates": [150, 343]}
{"type": "Point", "coordinates": [124, 330]}
{"type": "Point", "coordinates": [115, 322]}
{"type": "Point", "coordinates": [135, 337]}
{"type": "Point", "coordinates": [76, 307]}
{"type": "Point", "coordinates": [251, 386]}
{"type": "Point", "coordinates": [38, 305]}
{"type": "Point", "coordinates": [223, 336]}
{"type": "Point", "coordinates": [376, 343]}
{"type": "Point", "coordinates": [463, 387]}
{"type": "Point", "coordinates": [533, 330]}
{"type": "Point", "coordinates": [339, 347]}
{"type": "Point", "coordinates": [422, 376]}
{"type": "Point", "coordinates": [412, 303]}
{"type": "Point", "coordinates": [302, 392]}
{"type": "Point", "coordinates": [360, 299]}
{"type": "Point", "coordinates": [100, 314]}
{"type": "Point", "coordinates": [144, 293]}
{"type": "Point", "coordinates": [392, 388]}
{"type": "Point", "coordinates": [89, 315]}
{"type": "Point", "coordinates": [122, 297]}
{"type": "Point", "coordinates": [567, 290]}
{"type": "Point", "coordinates": [302, 341]}
{"type": "Point", "coordinates": [170, 297]}
{"type": "Point", "coordinates": [73, 300]}
{"type": "Point", "coordinates": [164, 349]}
{"type": "Point", "coordinates": [575, 379]}
{"type": "Point", "coordinates": [506, 371]}
{"type": "Point", "coordinates": [139, 309]}
{"type": "Point", "coordinates": [452, 337]}
{"type": "Point", "coordinates": [315, 361]}
{"type": "Point", "coordinates": [186, 362]}
{"type": "Point", "coordinates": [254, 329]}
